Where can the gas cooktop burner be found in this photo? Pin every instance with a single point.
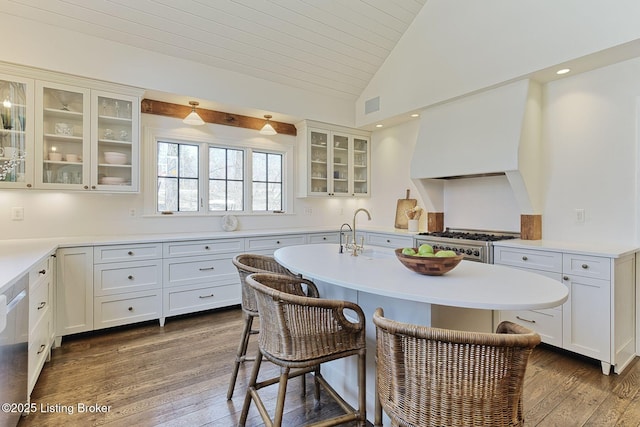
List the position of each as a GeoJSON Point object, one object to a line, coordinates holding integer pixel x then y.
{"type": "Point", "coordinates": [471, 235]}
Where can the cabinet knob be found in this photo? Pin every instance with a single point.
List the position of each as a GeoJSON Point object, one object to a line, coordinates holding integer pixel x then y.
{"type": "Point", "coordinates": [86, 187]}
{"type": "Point", "coordinates": [28, 185]}
{"type": "Point", "coordinates": [42, 272]}
{"type": "Point", "coordinates": [524, 258]}
{"type": "Point", "coordinates": [93, 187]}
{"type": "Point", "coordinates": [130, 253]}
{"type": "Point", "coordinates": [130, 309]}
{"type": "Point", "coordinates": [207, 247]}
{"type": "Point", "coordinates": [565, 277]}
{"type": "Point", "coordinates": [324, 238]}
{"type": "Point", "coordinates": [277, 242]}
{"type": "Point", "coordinates": [388, 241]}
{"type": "Point", "coordinates": [130, 277]}
{"type": "Point", "coordinates": [585, 266]}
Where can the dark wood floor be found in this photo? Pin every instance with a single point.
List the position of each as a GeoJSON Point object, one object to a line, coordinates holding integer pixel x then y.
{"type": "Point", "coordinates": [178, 376]}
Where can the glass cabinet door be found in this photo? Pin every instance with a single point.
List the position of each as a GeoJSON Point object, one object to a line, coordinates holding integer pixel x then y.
{"type": "Point", "coordinates": [16, 132]}
{"type": "Point", "coordinates": [116, 131]}
{"type": "Point", "coordinates": [340, 165]}
{"type": "Point", "coordinates": [360, 166]}
{"type": "Point", "coordinates": [319, 150]}
{"type": "Point", "coordinates": [62, 138]}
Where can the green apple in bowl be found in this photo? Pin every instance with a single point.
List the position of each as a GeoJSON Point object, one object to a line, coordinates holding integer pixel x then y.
{"type": "Point", "coordinates": [425, 249]}
{"type": "Point", "coordinates": [408, 251]}
{"type": "Point", "coordinates": [446, 254]}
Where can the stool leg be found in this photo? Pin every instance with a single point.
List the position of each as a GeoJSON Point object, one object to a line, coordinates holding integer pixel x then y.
{"type": "Point", "coordinates": [252, 384]}
{"type": "Point", "coordinates": [362, 388]}
{"type": "Point", "coordinates": [282, 391]}
{"type": "Point", "coordinates": [240, 354]}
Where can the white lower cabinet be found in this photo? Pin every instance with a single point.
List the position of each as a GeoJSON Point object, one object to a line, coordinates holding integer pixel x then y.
{"type": "Point", "coordinates": [41, 331]}
{"type": "Point", "coordinates": [126, 291]}
{"type": "Point", "coordinates": [74, 291]}
{"type": "Point", "coordinates": [389, 240]}
{"type": "Point", "coordinates": [199, 275]}
{"type": "Point", "coordinates": [598, 318]}
{"type": "Point", "coordinates": [268, 245]}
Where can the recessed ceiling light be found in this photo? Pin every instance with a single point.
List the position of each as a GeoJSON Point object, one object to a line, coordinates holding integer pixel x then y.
{"type": "Point", "coordinates": [379, 126]}
{"type": "Point", "coordinates": [415, 115]}
{"type": "Point", "coordinates": [563, 71]}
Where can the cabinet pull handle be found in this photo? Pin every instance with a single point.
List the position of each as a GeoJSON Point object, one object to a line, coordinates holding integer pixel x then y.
{"type": "Point", "coordinates": [28, 185]}
{"type": "Point", "coordinates": [93, 187]}
{"type": "Point", "coordinates": [524, 257]}
{"type": "Point", "coordinates": [585, 266]}
{"type": "Point", "coordinates": [41, 305]}
{"type": "Point", "coordinates": [86, 187]}
{"type": "Point", "coordinates": [130, 309]}
{"type": "Point", "coordinates": [41, 349]}
{"type": "Point", "coordinates": [130, 253]}
{"type": "Point", "coordinates": [206, 296]}
{"type": "Point", "coordinates": [207, 268]}
{"type": "Point", "coordinates": [130, 277]}
{"type": "Point", "coordinates": [525, 320]}
{"type": "Point", "coordinates": [42, 272]}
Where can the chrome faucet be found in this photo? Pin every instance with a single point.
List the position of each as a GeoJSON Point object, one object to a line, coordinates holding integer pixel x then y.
{"type": "Point", "coordinates": [354, 246]}
{"type": "Point", "coordinates": [341, 234]}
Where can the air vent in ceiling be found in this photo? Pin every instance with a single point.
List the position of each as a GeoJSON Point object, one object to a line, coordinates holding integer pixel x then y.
{"type": "Point", "coordinates": [372, 105]}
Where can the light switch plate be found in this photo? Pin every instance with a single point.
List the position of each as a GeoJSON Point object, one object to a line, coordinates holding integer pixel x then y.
{"type": "Point", "coordinates": [17, 213]}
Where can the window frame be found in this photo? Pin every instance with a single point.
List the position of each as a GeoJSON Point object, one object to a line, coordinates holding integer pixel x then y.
{"type": "Point", "coordinates": [248, 144]}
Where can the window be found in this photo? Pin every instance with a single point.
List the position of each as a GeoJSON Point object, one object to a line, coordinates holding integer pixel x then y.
{"type": "Point", "coordinates": [267, 182]}
{"type": "Point", "coordinates": [206, 177]}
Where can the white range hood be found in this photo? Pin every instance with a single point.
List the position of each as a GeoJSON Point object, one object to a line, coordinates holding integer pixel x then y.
{"type": "Point", "coordinates": [495, 132]}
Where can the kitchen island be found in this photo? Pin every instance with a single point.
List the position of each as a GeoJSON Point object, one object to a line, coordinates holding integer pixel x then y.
{"type": "Point", "coordinates": [376, 278]}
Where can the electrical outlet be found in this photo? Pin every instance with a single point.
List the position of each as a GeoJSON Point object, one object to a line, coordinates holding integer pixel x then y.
{"type": "Point", "coordinates": [308, 211]}
{"type": "Point", "coordinates": [580, 215]}
{"type": "Point", "coordinates": [17, 213]}
{"type": "Point", "coordinates": [132, 212]}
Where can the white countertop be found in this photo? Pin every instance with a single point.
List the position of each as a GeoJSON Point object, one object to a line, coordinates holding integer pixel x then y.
{"type": "Point", "coordinates": [470, 284]}
{"type": "Point", "coordinates": [17, 257]}
{"type": "Point", "coordinates": [609, 250]}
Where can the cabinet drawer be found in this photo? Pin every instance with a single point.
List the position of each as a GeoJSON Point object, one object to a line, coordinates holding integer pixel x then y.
{"type": "Point", "coordinates": [118, 253]}
{"type": "Point", "coordinates": [203, 247]}
{"type": "Point", "coordinates": [114, 310]}
{"type": "Point", "coordinates": [546, 322]}
{"type": "Point", "coordinates": [180, 272]}
{"type": "Point", "coordinates": [587, 266]}
{"type": "Point", "coordinates": [324, 238]}
{"type": "Point", "coordinates": [389, 241]}
{"type": "Point", "coordinates": [199, 297]}
{"type": "Point", "coordinates": [39, 303]}
{"type": "Point", "coordinates": [39, 347]}
{"type": "Point", "coordinates": [109, 279]}
{"type": "Point", "coordinates": [40, 271]}
{"type": "Point", "coordinates": [526, 258]}
{"type": "Point", "coordinates": [262, 243]}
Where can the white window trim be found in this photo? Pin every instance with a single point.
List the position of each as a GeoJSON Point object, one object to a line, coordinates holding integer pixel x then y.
{"type": "Point", "coordinates": [150, 169]}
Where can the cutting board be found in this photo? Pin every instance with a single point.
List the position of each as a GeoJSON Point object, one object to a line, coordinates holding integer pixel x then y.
{"type": "Point", "coordinates": [403, 205]}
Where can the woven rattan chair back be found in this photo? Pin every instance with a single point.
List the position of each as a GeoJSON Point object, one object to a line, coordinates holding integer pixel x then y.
{"type": "Point", "coordinates": [301, 332]}
{"type": "Point", "coordinates": [437, 377]}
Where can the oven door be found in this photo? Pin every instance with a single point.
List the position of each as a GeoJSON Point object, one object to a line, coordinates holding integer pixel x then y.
{"type": "Point", "coordinates": [14, 356]}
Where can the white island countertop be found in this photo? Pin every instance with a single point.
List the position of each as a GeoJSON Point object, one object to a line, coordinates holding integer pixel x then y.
{"type": "Point", "coordinates": [471, 284]}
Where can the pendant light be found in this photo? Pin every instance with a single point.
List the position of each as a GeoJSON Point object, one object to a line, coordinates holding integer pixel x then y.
{"type": "Point", "coordinates": [267, 129]}
{"type": "Point", "coordinates": [193, 118]}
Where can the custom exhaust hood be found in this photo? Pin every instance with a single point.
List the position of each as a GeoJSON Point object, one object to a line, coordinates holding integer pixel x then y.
{"type": "Point", "coordinates": [495, 132]}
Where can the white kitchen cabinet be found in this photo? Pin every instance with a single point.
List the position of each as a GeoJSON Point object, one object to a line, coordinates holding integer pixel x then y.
{"type": "Point", "coordinates": [16, 131]}
{"type": "Point", "coordinates": [74, 291]}
{"type": "Point", "coordinates": [127, 291]}
{"type": "Point", "coordinates": [199, 275]}
{"type": "Point", "coordinates": [41, 327]}
{"type": "Point", "coordinates": [598, 318]}
{"type": "Point", "coordinates": [324, 238]}
{"type": "Point", "coordinates": [389, 240]}
{"type": "Point", "coordinates": [269, 244]}
{"type": "Point", "coordinates": [333, 161]}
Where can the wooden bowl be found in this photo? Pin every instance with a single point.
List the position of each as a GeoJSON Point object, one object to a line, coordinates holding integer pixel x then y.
{"type": "Point", "coordinates": [430, 266]}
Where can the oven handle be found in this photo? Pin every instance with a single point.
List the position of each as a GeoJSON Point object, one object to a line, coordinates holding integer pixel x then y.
{"type": "Point", "coordinates": [5, 308]}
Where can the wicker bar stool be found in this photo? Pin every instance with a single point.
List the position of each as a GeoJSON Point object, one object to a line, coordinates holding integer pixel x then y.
{"type": "Point", "coordinates": [437, 377]}
{"type": "Point", "coordinates": [248, 264]}
{"type": "Point", "coordinates": [299, 334]}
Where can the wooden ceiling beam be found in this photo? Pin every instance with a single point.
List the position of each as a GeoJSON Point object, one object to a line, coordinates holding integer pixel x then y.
{"type": "Point", "coordinates": [160, 108]}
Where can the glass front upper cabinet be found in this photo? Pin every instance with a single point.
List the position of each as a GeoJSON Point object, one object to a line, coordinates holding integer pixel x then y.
{"type": "Point", "coordinates": [62, 137]}
{"type": "Point", "coordinates": [16, 132]}
{"type": "Point", "coordinates": [360, 165]}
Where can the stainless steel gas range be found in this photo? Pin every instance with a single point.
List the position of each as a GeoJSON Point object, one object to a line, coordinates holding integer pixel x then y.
{"type": "Point", "coordinates": [475, 245]}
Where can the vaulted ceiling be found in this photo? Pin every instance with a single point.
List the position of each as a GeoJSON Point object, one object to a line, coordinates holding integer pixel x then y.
{"type": "Point", "coordinates": [328, 46]}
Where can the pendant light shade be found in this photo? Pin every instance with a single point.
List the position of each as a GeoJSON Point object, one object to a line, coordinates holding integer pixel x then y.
{"type": "Point", "coordinates": [267, 129]}
{"type": "Point", "coordinates": [193, 118]}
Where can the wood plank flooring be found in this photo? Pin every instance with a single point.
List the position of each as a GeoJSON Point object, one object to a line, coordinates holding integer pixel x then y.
{"type": "Point", "coordinates": [178, 376]}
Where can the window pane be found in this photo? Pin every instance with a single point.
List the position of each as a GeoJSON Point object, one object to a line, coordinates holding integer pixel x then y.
{"type": "Point", "coordinates": [235, 193]}
{"type": "Point", "coordinates": [217, 195]}
{"type": "Point", "coordinates": [188, 161]}
{"type": "Point", "coordinates": [259, 196]}
{"type": "Point", "coordinates": [274, 197]}
{"type": "Point", "coordinates": [167, 159]}
{"type": "Point", "coordinates": [274, 162]}
{"type": "Point", "coordinates": [167, 194]}
{"type": "Point", "coordinates": [217, 166]}
{"type": "Point", "coordinates": [235, 164]}
{"type": "Point", "coordinates": [259, 166]}
{"type": "Point", "coordinates": [188, 195]}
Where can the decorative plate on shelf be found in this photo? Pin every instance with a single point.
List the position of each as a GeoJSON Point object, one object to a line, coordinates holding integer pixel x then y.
{"type": "Point", "coordinates": [229, 223]}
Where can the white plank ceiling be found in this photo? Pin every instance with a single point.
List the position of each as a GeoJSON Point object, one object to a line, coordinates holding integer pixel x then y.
{"type": "Point", "coordinates": [328, 46]}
